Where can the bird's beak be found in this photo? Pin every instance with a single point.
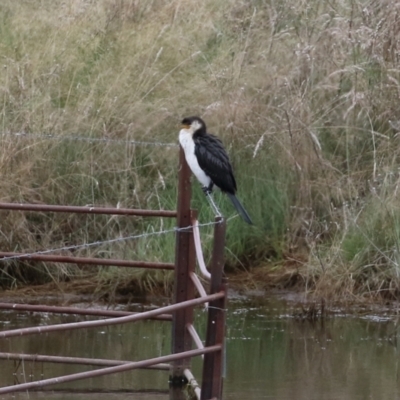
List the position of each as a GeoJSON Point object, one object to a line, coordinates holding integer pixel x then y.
{"type": "Point", "coordinates": [185, 126]}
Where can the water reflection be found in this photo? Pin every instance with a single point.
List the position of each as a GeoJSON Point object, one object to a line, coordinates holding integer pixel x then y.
{"type": "Point", "coordinates": [270, 355]}
{"type": "Point", "coordinates": [125, 342]}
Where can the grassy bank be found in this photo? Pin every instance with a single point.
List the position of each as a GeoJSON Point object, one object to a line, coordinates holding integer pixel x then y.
{"type": "Point", "coordinates": [305, 95]}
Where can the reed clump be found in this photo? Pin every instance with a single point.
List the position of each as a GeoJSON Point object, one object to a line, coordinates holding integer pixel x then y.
{"type": "Point", "coordinates": [305, 95]}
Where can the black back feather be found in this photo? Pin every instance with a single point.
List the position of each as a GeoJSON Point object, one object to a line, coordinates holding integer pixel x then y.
{"type": "Point", "coordinates": [214, 160]}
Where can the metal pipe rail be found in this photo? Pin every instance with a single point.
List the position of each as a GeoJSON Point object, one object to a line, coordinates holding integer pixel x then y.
{"type": "Point", "coordinates": [195, 336]}
{"type": "Point", "coordinates": [199, 252]}
{"type": "Point", "coordinates": [76, 311]}
{"type": "Point", "coordinates": [196, 282]}
{"type": "Point", "coordinates": [112, 321]}
{"type": "Point", "coordinates": [188, 248]}
{"type": "Point", "coordinates": [88, 261]}
{"type": "Point", "coordinates": [88, 210]}
{"type": "Point", "coordinates": [109, 370]}
{"type": "Point", "coordinates": [99, 362]}
{"type": "Point", "coordinates": [192, 382]}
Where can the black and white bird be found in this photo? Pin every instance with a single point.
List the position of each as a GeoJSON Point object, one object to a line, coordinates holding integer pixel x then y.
{"type": "Point", "coordinates": [209, 161]}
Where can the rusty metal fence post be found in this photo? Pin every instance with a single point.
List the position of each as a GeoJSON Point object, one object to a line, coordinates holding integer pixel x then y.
{"type": "Point", "coordinates": [184, 288]}
{"type": "Point", "coordinates": [213, 363]}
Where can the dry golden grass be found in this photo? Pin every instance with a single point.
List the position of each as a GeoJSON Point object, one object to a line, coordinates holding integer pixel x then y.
{"type": "Point", "coordinates": [305, 95]}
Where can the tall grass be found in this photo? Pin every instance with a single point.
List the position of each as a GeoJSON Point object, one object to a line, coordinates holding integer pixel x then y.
{"type": "Point", "coordinates": [305, 95]}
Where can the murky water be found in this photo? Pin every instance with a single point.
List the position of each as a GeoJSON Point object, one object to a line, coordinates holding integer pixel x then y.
{"type": "Point", "coordinates": [270, 355]}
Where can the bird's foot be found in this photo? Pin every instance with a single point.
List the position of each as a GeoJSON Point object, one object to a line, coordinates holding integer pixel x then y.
{"type": "Point", "coordinates": [207, 190]}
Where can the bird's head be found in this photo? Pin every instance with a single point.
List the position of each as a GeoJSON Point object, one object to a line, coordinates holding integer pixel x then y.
{"type": "Point", "coordinates": [194, 125]}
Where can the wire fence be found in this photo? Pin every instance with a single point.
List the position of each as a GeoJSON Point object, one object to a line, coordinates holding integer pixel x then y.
{"type": "Point", "coordinates": [109, 241]}
{"type": "Point", "coordinates": [99, 242]}
{"type": "Point", "coordinates": [87, 139]}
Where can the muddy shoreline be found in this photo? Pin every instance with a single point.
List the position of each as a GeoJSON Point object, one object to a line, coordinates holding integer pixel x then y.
{"type": "Point", "coordinates": [243, 287]}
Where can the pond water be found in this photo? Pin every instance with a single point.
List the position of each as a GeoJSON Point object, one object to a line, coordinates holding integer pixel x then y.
{"type": "Point", "coordinates": [270, 355]}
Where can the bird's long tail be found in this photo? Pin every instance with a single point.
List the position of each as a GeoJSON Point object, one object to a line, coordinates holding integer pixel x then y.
{"type": "Point", "coordinates": [240, 209]}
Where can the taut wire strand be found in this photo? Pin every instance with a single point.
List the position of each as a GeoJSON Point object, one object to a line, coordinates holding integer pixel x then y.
{"type": "Point", "coordinates": [98, 243]}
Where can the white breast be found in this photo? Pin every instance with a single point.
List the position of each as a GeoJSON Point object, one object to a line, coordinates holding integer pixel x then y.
{"type": "Point", "coordinates": [187, 143]}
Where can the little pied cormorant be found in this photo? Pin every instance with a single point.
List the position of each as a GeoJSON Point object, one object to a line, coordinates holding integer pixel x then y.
{"type": "Point", "coordinates": [209, 161]}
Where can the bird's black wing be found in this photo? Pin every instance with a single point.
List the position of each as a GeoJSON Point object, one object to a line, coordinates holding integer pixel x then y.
{"type": "Point", "coordinates": [214, 161]}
